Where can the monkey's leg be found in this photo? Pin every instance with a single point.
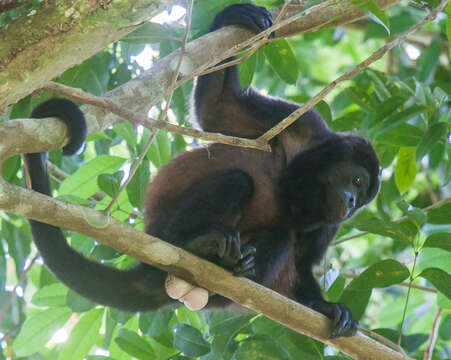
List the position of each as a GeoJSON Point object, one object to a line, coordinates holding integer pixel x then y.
{"type": "Point", "coordinates": [309, 249]}
{"type": "Point", "coordinates": [204, 219]}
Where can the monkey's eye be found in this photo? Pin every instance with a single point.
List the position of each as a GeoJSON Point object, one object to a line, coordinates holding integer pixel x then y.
{"type": "Point", "coordinates": [357, 181]}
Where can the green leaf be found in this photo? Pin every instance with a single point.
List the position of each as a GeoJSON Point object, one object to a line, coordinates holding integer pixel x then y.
{"type": "Point", "coordinates": [156, 323]}
{"type": "Point", "coordinates": [282, 59]}
{"type": "Point", "coordinates": [133, 344]}
{"type": "Point", "coordinates": [336, 289]}
{"type": "Point", "coordinates": [397, 118]}
{"type": "Point", "coordinates": [262, 347]}
{"type": "Point", "coordinates": [110, 183]}
{"type": "Point", "coordinates": [402, 135]}
{"type": "Point", "coordinates": [439, 240]}
{"type": "Point", "coordinates": [385, 228]}
{"type": "Point", "coordinates": [361, 98]}
{"type": "Point", "coordinates": [374, 12]}
{"type": "Point", "coordinates": [440, 215]}
{"type": "Point", "coordinates": [136, 189]}
{"type": "Point", "coordinates": [246, 70]}
{"type": "Point", "coordinates": [445, 328]}
{"type": "Point", "coordinates": [148, 33]}
{"type": "Point", "coordinates": [433, 135]}
{"type": "Point", "coordinates": [386, 153]}
{"type": "Point", "coordinates": [263, 325]}
{"type": "Point", "coordinates": [38, 328]}
{"type": "Point", "coordinates": [448, 27]}
{"type": "Point", "coordinates": [434, 258]}
{"type": "Point", "coordinates": [83, 336]}
{"type": "Point", "coordinates": [160, 150]}
{"type": "Point", "coordinates": [78, 303]}
{"type": "Point", "coordinates": [53, 295]}
{"type": "Point", "coordinates": [429, 60]}
{"type": "Point", "coordinates": [190, 341]}
{"type": "Point", "coordinates": [223, 322]}
{"type": "Point", "coordinates": [405, 170]}
{"type": "Point", "coordinates": [382, 274]}
{"type": "Point", "coordinates": [440, 279]}
{"type": "Point", "coordinates": [125, 131]}
{"type": "Point", "coordinates": [83, 182]}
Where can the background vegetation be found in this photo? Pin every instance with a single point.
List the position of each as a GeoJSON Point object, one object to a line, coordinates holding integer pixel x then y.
{"type": "Point", "coordinates": [390, 264]}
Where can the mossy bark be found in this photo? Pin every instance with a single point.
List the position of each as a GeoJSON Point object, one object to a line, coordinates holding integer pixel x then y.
{"type": "Point", "coordinates": [43, 43]}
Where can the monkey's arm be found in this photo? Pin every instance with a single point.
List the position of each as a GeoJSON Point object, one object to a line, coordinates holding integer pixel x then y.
{"type": "Point", "coordinates": [221, 105]}
{"type": "Point", "coordinates": [309, 249]}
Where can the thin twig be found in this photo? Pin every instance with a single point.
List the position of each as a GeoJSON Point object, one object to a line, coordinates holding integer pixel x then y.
{"type": "Point", "coordinates": [244, 45]}
{"type": "Point", "coordinates": [138, 119]}
{"type": "Point", "coordinates": [433, 336]}
{"type": "Point", "coordinates": [132, 170]}
{"type": "Point", "coordinates": [383, 340]}
{"type": "Point", "coordinates": [363, 233]}
{"type": "Point", "coordinates": [348, 75]}
{"type": "Point", "coordinates": [164, 113]}
{"type": "Point", "coordinates": [407, 299]}
{"type": "Point", "coordinates": [11, 296]}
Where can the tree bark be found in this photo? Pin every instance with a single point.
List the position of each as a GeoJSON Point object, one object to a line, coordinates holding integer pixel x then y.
{"type": "Point", "coordinates": [41, 46]}
{"type": "Point", "coordinates": [38, 46]}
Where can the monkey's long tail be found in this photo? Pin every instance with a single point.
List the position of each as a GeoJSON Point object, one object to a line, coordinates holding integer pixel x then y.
{"type": "Point", "coordinates": [138, 289]}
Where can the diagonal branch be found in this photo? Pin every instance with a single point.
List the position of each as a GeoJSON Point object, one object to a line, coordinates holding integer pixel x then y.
{"type": "Point", "coordinates": [169, 258]}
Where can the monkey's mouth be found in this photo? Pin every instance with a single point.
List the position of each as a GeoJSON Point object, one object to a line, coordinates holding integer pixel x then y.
{"type": "Point", "coordinates": [344, 212]}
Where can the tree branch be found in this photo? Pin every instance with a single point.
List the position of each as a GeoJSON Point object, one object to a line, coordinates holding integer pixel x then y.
{"type": "Point", "coordinates": [66, 49]}
{"type": "Point", "coordinates": [169, 258]}
{"type": "Point", "coordinates": [62, 36]}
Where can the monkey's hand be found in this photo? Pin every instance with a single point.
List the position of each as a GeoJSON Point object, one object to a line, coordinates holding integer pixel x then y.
{"type": "Point", "coordinates": [223, 247]}
{"type": "Point", "coordinates": [249, 16]}
{"type": "Point", "coordinates": [343, 322]}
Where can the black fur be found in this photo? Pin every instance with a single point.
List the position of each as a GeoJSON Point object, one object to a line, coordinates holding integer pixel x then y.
{"type": "Point", "coordinates": [269, 216]}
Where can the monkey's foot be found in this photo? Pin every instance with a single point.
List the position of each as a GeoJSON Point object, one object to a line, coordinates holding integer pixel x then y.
{"type": "Point", "coordinates": [220, 245]}
{"type": "Point", "coordinates": [343, 322]}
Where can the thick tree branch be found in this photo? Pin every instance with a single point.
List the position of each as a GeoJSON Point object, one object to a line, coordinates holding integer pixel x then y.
{"type": "Point", "coordinates": [40, 45]}
{"type": "Point", "coordinates": [184, 265]}
{"type": "Point", "coordinates": [62, 50]}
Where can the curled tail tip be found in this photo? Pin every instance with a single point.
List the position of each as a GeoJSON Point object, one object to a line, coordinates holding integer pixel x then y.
{"type": "Point", "coordinates": [72, 116]}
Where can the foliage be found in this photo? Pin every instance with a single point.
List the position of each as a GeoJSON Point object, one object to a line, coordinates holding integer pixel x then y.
{"type": "Point", "coordinates": [402, 103]}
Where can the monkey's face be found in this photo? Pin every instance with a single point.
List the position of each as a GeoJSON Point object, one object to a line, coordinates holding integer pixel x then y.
{"type": "Point", "coordinates": [345, 186]}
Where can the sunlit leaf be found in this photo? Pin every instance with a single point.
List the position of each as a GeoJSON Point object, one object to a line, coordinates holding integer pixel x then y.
{"type": "Point", "coordinates": [53, 295]}
{"type": "Point", "coordinates": [38, 328]}
{"type": "Point", "coordinates": [282, 59]}
{"type": "Point", "coordinates": [83, 182]}
{"type": "Point", "coordinates": [83, 336]}
{"type": "Point", "coordinates": [246, 70]}
{"type": "Point", "coordinates": [406, 168]}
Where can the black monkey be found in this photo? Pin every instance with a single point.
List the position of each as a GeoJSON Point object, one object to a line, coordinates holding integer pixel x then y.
{"type": "Point", "coordinates": [269, 216]}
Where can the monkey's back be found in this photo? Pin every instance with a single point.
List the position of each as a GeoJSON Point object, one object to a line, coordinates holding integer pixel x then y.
{"type": "Point", "coordinates": [191, 167]}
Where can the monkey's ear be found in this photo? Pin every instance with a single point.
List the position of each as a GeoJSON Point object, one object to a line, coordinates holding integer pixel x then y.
{"type": "Point", "coordinates": [193, 297]}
